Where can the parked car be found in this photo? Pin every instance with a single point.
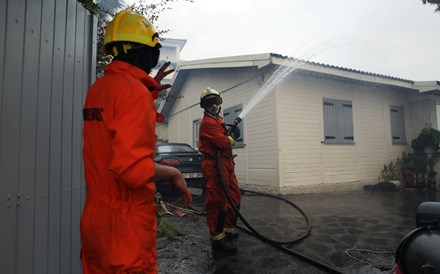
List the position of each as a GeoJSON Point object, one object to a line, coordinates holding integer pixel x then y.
{"type": "Point", "coordinates": [183, 157]}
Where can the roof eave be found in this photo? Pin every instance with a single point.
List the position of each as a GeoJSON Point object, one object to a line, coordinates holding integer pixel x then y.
{"type": "Point", "coordinates": [427, 86]}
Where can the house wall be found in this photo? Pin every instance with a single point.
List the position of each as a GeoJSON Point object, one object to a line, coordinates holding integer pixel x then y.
{"type": "Point", "coordinates": [256, 163]}
{"type": "Point", "coordinates": [47, 62]}
{"type": "Point", "coordinates": [423, 114]}
{"type": "Point", "coordinates": [283, 135]}
{"type": "Point", "coordinates": [305, 161]}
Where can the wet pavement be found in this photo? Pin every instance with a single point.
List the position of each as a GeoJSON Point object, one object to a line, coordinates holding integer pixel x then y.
{"type": "Point", "coordinates": [351, 232]}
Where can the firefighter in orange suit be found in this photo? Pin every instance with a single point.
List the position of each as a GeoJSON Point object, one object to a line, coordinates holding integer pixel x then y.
{"type": "Point", "coordinates": [220, 215]}
{"type": "Point", "coordinates": [118, 222]}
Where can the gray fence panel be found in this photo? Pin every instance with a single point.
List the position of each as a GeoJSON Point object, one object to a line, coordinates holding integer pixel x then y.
{"type": "Point", "coordinates": [43, 138]}
{"type": "Point", "coordinates": [2, 57]}
{"type": "Point", "coordinates": [46, 66]}
{"type": "Point", "coordinates": [56, 138]}
{"type": "Point", "coordinates": [10, 131]}
{"type": "Point", "coordinates": [66, 198]}
{"type": "Point", "coordinates": [26, 179]}
{"type": "Point", "coordinates": [80, 47]}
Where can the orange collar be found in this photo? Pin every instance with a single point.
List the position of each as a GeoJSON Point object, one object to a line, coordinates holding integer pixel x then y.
{"type": "Point", "coordinates": [124, 67]}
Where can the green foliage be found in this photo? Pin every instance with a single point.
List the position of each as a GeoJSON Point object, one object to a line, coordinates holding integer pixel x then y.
{"type": "Point", "coordinates": [391, 171]}
{"type": "Point", "coordinates": [421, 162]}
{"type": "Point", "coordinates": [90, 5]}
{"type": "Point", "coordinates": [425, 157]}
{"type": "Point", "coordinates": [150, 10]}
{"type": "Point", "coordinates": [428, 137]}
{"type": "Point", "coordinates": [433, 2]}
{"type": "Point", "coordinates": [166, 229]}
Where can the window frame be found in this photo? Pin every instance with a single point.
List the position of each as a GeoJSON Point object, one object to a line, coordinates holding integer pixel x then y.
{"type": "Point", "coordinates": [196, 131]}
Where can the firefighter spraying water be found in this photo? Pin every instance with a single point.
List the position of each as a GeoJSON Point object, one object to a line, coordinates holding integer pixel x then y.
{"type": "Point", "coordinates": [220, 215]}
{"type": "Point", "coordinates": [417, 253]}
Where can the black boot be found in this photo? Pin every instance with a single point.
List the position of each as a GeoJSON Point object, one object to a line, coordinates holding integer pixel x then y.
{"type": "Point", "coordinates": [224, 246]}
{"type": "Point", "coordinates": [230, 236]}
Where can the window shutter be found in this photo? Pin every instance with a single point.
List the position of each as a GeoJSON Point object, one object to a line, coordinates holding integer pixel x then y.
{"type": "Point", "coordinates": [398, 132]}
{"type": "Point", "coordinates": [346, 123]}
{"type": "Point", "coordinates": [329, 121]}
{"type": "Point", "coordinates": [338, 121]}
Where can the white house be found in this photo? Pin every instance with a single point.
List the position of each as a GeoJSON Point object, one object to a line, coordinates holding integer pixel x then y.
{"type": "Point", "coordinates": [321, 128]}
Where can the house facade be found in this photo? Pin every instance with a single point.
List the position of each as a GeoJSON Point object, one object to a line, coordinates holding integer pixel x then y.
{"type": "Point", "coordinates": [319, 128]}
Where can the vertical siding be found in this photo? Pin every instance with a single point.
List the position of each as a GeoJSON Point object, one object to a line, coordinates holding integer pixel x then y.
{"type": "Point", "coordinates": [261, 140]}
{"type": "Point", "coordinates": [10, 145]}
{"type": "Point", "coordinates": [423, 115]}
{"type": "Point", "coordinates": [27, 133]}
{"type": "Point", "coordinates": [256, 164]}
{"type": "Point", "coordinates": [300, 131]}
{"type": "Point", "coordinates": [46, 55]}
{"type": "Point", "coordinates": [305, 160]}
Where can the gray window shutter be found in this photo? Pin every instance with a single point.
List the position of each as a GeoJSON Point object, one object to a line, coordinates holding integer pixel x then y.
{"type": "Point", "coordinates": [330, 122]}
{"type": "Point", "coordinates": [398, 132]}
{"type": "Point", "coordinates": [346, 125]}
{"type": "Point", "coordinates": [338, 121]}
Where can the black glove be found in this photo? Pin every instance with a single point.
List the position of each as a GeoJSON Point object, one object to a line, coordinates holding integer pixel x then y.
{"type": "Point", "coordinates": [235, 133]}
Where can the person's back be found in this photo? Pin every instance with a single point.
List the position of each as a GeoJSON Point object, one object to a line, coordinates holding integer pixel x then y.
{"type": "Point", "coordinates": [118, 222]}
{"type": "Point", "coordinates": [117, 105]}
{"type": "Point", "coordinates": [119, 135]}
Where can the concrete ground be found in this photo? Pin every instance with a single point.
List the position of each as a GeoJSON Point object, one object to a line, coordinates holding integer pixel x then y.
{"type": "Point", "coordinates": [351, 232]}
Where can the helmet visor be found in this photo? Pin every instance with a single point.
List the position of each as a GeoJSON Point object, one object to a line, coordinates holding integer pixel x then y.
{"type": "Point", "coordinates": [214, 100]}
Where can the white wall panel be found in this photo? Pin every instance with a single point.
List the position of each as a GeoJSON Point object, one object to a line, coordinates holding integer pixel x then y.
{"type": "Point", "coordinates": [305, 160]}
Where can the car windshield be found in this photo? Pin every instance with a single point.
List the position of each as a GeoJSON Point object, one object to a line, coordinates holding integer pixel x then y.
{"type": "Point", "coordinates": [174, 148]}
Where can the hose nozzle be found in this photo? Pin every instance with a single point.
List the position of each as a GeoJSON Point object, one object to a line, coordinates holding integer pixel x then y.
{"type": "Point", "coordinates": [231, 127]}
{"type": "Point", "coordinates": [236, 122]}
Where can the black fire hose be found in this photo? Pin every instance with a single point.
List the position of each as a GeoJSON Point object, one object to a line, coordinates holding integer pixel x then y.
{"type": "Point", "coordinates": [277, 244]}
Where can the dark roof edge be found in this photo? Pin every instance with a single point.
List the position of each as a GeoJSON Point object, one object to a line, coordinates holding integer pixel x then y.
{"type": "Point", "coordinates": [340, 68]}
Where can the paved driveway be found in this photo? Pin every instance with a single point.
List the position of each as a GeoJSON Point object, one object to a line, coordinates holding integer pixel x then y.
{"type": "Point", "coordinates": [351, 232]}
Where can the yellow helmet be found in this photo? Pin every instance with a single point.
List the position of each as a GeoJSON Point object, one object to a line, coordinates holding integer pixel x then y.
{"type": "Point", "coordinates": [127, 26]}
{"type": "Point", "coordinates": [209, 91]}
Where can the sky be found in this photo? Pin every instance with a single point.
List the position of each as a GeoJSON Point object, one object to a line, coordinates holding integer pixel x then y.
{"type": "Point", "coordinates": [399, 38]}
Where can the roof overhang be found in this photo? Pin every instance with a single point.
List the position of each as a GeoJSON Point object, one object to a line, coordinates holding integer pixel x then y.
{"type": "Point", "coordinates": [184, 67]}
{"type": "Point", "coordinates": [427, 86]}
{"type": "Point", "coordinates": [255, 60]}
{"type": "Point", "coordinates": [265, 59]}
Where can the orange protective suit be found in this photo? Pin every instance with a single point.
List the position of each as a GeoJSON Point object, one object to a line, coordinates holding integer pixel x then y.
{"type": "Point", "coordinates": [220, 215]}
{"type": "Point", "coordinates": [118, 222]}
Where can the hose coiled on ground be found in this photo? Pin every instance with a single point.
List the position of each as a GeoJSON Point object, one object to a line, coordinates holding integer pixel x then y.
{"type": "Point", "coordinates": [277, 244]}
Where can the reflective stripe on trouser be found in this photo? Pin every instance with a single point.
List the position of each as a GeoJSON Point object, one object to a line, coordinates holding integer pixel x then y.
{"type": "Point", "coordinates": [230, 230]}
{"type": "Point", "coordinates": [219, 214]}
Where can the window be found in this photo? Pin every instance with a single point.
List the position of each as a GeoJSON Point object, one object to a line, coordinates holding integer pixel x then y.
{"type": "Point", "coordinates": [398, 133]}
{"type": "Point", "coordinates": [338, 121]}
{"type": "Point", "coordinates": [229, 115]}
{"type": "Point", "coordinates": [196, 128]}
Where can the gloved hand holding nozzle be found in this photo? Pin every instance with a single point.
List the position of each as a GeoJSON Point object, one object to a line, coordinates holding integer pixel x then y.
{"type": "Point", "coordinates": [234, 130]}
{"type": "Point", "coordinates": [235, 133]}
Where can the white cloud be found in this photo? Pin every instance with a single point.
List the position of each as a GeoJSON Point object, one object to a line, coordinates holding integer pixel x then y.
{"type": "Point", "coordinates": [399, 38]}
